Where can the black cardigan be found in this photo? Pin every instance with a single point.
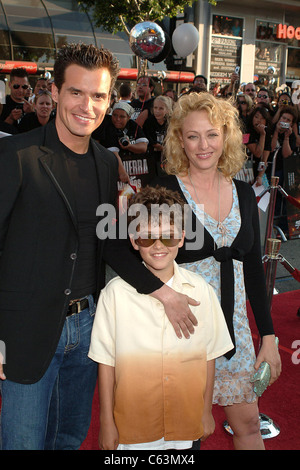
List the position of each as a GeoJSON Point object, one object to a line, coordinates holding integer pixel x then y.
{"type": "Point", "coordinates": [245, 247]}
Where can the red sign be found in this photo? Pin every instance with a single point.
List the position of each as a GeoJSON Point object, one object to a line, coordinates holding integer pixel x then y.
{"type": "Point", "coordinates": [168, 76]}
{"type": "Point", "coordinates": [287, 32]}
{"type": "Point", "coordinates": [125, 74]}
{"type": "Point", "coordinates": [31, 67]}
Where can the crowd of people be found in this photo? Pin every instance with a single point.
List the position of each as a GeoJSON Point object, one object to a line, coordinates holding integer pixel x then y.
{"type": "Point", "coordinates": [269, 122]}
{"type": "Point", "coordinates": [163, 359]}
{"type": "Point", "coordinates": [25, 107]}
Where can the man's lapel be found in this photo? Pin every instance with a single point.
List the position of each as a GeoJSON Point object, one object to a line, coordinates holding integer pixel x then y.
{"type": "Point", "coordinates": [53, 160]}
{"type": "Point", "coordinates": [103, 172]}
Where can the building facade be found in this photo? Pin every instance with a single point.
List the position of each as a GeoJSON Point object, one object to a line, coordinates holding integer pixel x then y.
{"type": "Point", "coordinates": [32, 31]}
{"type": "Point", "coordinates": [261, 37]}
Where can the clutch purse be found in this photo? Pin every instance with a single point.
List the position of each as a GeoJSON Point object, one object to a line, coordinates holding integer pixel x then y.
{"type": "Point", "coordinates": [261, 378]}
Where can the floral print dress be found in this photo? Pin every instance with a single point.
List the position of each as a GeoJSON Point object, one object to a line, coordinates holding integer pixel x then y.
{"type": "Point", "coordinates": [232, 379]}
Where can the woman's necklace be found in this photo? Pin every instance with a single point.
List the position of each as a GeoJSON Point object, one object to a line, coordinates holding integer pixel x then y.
{"type": "Point", "coordinates": [220, 226]}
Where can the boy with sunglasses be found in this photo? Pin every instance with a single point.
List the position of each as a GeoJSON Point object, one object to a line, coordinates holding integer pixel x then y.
{"type": "Point", "coordinates": [156, 389]}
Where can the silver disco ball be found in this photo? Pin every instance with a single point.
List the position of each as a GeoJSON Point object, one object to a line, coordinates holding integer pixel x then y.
{"type": "Point", "coordinates": [147, 40]}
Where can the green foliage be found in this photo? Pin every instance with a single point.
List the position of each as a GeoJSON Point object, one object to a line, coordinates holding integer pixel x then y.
{"type": "Point", "coordinates": [122, 15]}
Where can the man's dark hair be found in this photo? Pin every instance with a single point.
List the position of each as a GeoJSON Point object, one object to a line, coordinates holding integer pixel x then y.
{"type": "Point", "coordinates": [289, 110]}
{"type": "Point", "coordinates": [87, 56]}
{"type": "Point", "coordinates": [124, 90]}
{"type": "Point", "coordinates": [200, 76]}
{"type": "Point", "coordinates": [265, 90]}
{"type": "Point", "coordinates": [151, 81]}
{"type": "Point", "coordinates": [19, 72]}
{"type": "Point", "coordinates": [264, 112]}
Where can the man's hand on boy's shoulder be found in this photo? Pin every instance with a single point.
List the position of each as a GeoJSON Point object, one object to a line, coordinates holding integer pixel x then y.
{"type": "Point", "coordinates": [177, 310]}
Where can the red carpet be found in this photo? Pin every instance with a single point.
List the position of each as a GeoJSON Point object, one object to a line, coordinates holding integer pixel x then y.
{"type": "Point", "coordinates": [281, 401]}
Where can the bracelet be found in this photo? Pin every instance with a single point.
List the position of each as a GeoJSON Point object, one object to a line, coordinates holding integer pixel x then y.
{"type": "Point", "coordinates": [261, 166]}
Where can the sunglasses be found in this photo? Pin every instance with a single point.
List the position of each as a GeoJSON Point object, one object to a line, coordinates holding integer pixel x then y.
{"type": "Point", "coordinates": [16, 86]}
{"type": "Point", "coordinates": [242, 102]}
{"type": "Point", "coordinates": [262, 96]}
{"type": "Point", "coordinates": [249, 90]}
{"type": "Point", "coordinates": [146, 242]}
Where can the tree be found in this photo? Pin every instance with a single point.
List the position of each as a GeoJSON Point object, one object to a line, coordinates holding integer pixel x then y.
{"type": "Point", "coordinates": [122, 15]}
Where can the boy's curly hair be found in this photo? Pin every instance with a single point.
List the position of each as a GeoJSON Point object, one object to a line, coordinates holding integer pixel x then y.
{"type": "Point", "coordinates": [160, 196]}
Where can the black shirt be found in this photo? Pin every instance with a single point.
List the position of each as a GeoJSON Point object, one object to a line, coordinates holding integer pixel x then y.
{"type": "Point", "coordinates": [293, 145]}
{"type": "Point", "coordinates": [9, 105]}
{"type": "Point", "coordinates": [28, 122]}
{"type": "Point", "coordinates": [140, 106]}
{"type": "Point", "coordinates": [82, 171]}
{"type": "Point", "coordinates": [155, 133]}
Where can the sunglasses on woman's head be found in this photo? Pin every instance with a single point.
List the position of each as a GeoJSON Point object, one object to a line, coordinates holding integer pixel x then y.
{"type": "Point", "coordinates": [16, 86]}
{"type": "Point", "coordinates": [146, 242]}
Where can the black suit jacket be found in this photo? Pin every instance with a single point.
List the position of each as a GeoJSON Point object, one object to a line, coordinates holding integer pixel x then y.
{"type": "Point", "coordinates": [38, 245]}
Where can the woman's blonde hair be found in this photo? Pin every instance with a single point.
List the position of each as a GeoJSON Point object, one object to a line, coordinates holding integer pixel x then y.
{"type": "Point", "coordinates": [249, 101]}
{"type": "Point", "coordinates": [168, 102]}
{"type": "Point", "coordinates": [222, 114]}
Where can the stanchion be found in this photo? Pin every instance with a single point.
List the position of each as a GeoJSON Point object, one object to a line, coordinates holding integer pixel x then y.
{"type": "Point", "coordinates": [273, 192]}
{"type": "Point", "coordinates": [268, 428]}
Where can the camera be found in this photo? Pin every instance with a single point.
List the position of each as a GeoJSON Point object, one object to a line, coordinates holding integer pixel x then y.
{"type": "Point", "coordinates": [19, 106]}
{"type": "Point", "coordinates": [124, 140]}
{"type": "Point", "coordinates": [284, 125]}
{"type": "Point", "coordinates": [237, 70]}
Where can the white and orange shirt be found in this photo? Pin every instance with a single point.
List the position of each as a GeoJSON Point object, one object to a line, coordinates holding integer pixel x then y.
{"type": "Point", "coordinates": [159, 379]}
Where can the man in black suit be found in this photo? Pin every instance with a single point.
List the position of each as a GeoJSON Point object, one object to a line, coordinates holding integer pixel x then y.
{"type": "Point", "coordinates": [52, 179]}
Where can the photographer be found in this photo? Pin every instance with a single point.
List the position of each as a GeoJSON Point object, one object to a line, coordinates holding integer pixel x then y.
{"type": "Point", "coordinates": [128, 142]}
{"type": "Point", "coordinates": [259, 143]}
{"type": "Point", "coordinates": [283, 135]}
{"type": "Point", "coordinates": [283, 100]}
{"type": "Point", "coordinates": [283, 139]}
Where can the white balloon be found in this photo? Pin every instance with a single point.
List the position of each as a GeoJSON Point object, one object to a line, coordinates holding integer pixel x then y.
{"type": "Point", "coordinates": [185, 39]}
{"type": "Point", "coordinates": [296, 97]}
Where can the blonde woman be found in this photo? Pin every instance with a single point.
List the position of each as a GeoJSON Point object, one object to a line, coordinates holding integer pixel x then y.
{"type": "Point", "coordinates": [204, 151]}
{"type": "Point", "coordinates": [155, 128]}
{"type": "Point", "coordinates": [43, 105]}
{"type": "Point", "coordinates": [245, 105]}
